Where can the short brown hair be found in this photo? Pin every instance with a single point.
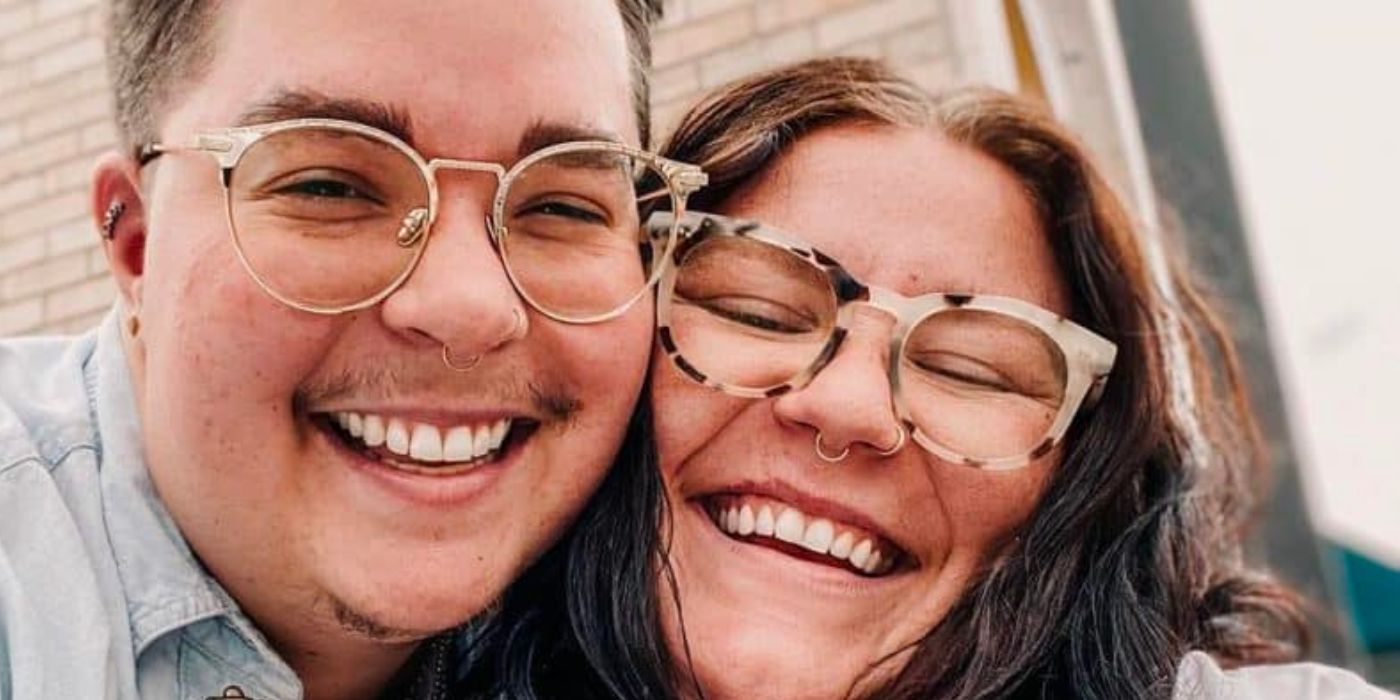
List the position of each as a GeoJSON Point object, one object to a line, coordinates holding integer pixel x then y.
{"type": "Point", "coordinates": [154, 45]}
{"type": "Point", "coordinates": [1133, 555]}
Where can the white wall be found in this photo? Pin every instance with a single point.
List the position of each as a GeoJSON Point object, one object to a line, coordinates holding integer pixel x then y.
{"type": "Point", "coordinates": [1310, 103]}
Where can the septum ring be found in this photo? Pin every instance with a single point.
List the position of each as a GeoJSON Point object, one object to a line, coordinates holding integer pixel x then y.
{"type": "Point", "coordinates": [830, 459]}
{"type": "Point", "coordinates": [900, 438]}
{"type": "Point", "coordinates": [516, 331]}
{"type": "Point", "coordinates": [447, 360]}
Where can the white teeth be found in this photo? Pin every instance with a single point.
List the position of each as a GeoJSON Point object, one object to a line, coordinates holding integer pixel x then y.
{"type": "Point", "coordinates": [396, 437]}
{"type": "Point", "coordinates": [841, 548]}
{"type": "Point", "coordinates": [457, 445]}
{"type": "Point", "coordinates": [424, 442]}
{"type": "Point", "coordinates": [374, 431]}
{"type": "Point", "coordinates": [481, 443]}
{"type": "Point", "coordinates": [763, 524]}
{"type": "Point", "coordinates": [746, 521]}
{"type": "Point", "coordinates": [818, 535]}
{"type": "Point", "coordinates": [426, 445]}
{"type": "Point", "coordinates": [873, 564]}
{"type": "Point", "coordinates": [790, 526]}
{"type": "Point", "coordinates": [861, 554]}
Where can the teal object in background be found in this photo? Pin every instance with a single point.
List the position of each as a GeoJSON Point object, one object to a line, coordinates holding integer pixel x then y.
{"type": "Point", "coordinates": [1373, 595]}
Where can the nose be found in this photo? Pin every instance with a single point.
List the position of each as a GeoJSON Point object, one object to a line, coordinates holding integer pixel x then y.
{"type": "Point", "coordinates": [849, 403]}
{"type": "Point", "coordinates": [458, 296]}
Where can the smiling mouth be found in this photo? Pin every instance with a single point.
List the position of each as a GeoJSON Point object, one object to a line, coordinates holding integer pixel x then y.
{"type": "Point", "coordinates": [766, 522]}
{"type": "Point", "coordinates": [424, 448]}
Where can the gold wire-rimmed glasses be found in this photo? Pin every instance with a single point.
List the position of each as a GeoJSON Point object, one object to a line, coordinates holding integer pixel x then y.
{"type": "Point", "coordinates": [330, 216]}
{"type": "Point", "coordinates": [986, 381]}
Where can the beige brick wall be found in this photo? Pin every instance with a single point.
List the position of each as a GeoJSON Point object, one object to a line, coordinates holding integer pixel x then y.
{"type": "Point", "coordinates": [55, 116]}
{"type": "Point", "coordinates": [705, 43]}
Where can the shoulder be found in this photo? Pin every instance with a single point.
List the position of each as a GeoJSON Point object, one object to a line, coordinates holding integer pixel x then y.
{"type": "Point", "coordinates": [45, 402]}
{"type": "Point", "coordinates": [61, 611]}
{"type": "Point", "coordinates": [1199, 677]}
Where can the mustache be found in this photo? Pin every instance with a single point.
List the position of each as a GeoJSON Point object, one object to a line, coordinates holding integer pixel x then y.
{"type": "Point", "coordinates": [387, 379]}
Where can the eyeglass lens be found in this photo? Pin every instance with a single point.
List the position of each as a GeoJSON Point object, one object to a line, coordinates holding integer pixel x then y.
{"type": "Point", "coordinates": [330, 218]}
{"type": "Point", "coordinates": [573, 237]}
{"type": "Point", "coordinates": [317, 214]}
{"type": "Point", "coordinates": [750, 314]}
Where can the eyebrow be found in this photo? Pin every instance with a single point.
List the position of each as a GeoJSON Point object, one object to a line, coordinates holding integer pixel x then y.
{"type": "Point", "coordinates": [308, 104]}
{"type": "Point", "coordinates": [288, 104]}
{"type": "Point", "coordinates": [542, 134]}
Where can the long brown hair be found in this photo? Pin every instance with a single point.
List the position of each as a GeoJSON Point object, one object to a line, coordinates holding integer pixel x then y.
{"type": "Point", "coordinates": [1133, 555]}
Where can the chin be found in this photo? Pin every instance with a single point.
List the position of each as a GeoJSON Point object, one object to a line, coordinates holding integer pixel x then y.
{"type": "Point", "coordinates": [777, 664]}
{"type": "Point", "coordinates": [413, 592]}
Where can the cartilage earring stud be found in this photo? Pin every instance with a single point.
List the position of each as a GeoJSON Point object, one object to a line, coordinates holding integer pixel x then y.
{"type": "Point", "coordinates": [109, 220]}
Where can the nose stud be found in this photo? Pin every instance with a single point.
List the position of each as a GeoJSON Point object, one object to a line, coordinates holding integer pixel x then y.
{"type": "Point", "coordinates": [830, 458]}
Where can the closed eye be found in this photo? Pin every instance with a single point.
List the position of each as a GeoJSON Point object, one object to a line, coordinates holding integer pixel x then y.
{"type": "Point", "coordinates": [760, 314]}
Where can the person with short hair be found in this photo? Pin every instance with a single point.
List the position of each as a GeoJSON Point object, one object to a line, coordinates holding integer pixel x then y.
{"type": "Point", "coordinates": [384, 315]}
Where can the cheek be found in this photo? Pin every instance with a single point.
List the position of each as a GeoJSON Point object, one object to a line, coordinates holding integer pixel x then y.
{"type": "Point", "coordinates": [686, 415]}
{"type": "Point", "coordinates": [214, 342]}
{"type": "Point", "coordinates": [983, 508]}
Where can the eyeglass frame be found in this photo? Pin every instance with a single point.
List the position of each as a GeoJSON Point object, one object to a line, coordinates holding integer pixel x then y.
{"type": "Point", "coordinates": [228, 146]}
{"type": "Point", "coordinates": [1088, 356]}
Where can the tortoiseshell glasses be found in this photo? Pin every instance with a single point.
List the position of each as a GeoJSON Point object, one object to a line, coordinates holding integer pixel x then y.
{"type": "Point", "coordinates": [986, 381]}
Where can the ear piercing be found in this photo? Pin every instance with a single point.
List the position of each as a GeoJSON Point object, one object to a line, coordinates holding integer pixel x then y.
{"type": "Point", "coordinates": [109, 220]}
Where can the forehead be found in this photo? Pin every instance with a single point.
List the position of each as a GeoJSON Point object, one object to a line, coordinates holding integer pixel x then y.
{"type": "Point", "coordinates": [470, 75]}
{"type": "Point", "coordinates": [910, 210]}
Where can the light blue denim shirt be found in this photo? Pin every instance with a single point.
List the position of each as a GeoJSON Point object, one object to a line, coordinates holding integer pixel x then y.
{"type": "Point", "coordinates": [100, 597]}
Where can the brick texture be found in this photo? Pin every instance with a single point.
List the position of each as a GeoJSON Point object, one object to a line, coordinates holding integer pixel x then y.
{"type": "Point", "coordinates": [706, 43]}
{"type": "Point", "coordinates": [55, 116]}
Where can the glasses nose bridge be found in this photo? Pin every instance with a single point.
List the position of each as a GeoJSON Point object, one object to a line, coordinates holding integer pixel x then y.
{"type": "Point", "coordinates": [436, 165]}
{"type": "Point", "coordinates": [474, 166]}
{"type": "Point", "coordinates": [876, 306]}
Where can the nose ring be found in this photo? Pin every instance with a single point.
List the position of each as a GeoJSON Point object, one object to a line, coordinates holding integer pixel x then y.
{"type": "Point", "coordinates": [518, 330]}
{"type": "Point", "coordinates": [899, 441]}
{"type": "Point", "coordinates": [828, 458]}
{"type": "Point", "coordinates": [466, 367]}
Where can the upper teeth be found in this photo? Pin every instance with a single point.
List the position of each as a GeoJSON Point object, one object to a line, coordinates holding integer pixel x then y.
{"type": "Point", "coordinates": [864, 552]}
{"type": "Point", "coordinates": [425, 442]}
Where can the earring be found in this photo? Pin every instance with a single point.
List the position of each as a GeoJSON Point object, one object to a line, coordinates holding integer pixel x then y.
{"type": "Point", "coordinates": [109, 220]}
{"type": "Point", "coordinates": [133, 323]}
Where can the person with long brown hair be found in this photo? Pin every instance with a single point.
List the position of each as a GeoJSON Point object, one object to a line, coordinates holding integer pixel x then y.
{"type": "Point", "coordinates": [931, 422]}
{"type": "Point", "coordinates": [1047, 446]}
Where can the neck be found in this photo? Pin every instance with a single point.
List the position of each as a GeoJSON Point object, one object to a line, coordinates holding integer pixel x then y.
{"type": "Point", "coordinates": [338, 665]}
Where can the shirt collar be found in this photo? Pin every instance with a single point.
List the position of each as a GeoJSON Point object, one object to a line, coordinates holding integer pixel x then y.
{"type": "Point", "coordinates": [165, 587]}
